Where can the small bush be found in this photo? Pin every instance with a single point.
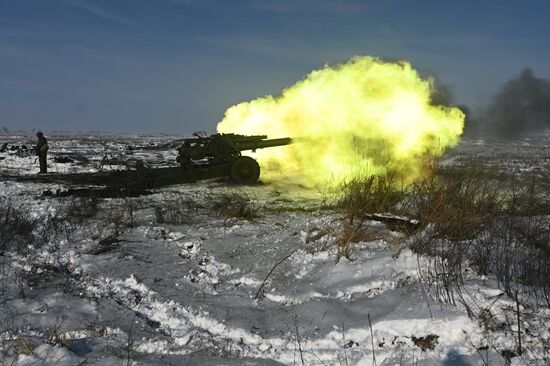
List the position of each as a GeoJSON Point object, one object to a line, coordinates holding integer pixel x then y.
{"type": "Point", "coordinates": [176, 210]}
{"type": "Point", "coordinates": [517, 252]}
{"type": "Point", "coordinates": [53, 224]}
{"type": "Point", "coordinates": [121, 214]}
{"type": "Point", "coordinates": [16, 226]}
{"type": "Point", "coordinates": [457, 207]}
{"type": "Point", "coordinates": [371, 194]}
{"type": "Point", "coordinates": [235, 205]}
{"type": "Point", "coordinates": [83, 208]}
{"type": "Point", "coordinates": [360, 197]}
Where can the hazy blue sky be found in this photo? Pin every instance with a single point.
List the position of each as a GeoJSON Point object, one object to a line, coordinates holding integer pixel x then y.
{"type": "Point", "coordinates": [176, 65]}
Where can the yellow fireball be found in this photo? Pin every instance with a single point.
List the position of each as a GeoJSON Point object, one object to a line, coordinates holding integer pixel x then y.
{"type": "Point", "coordinates": [365, 116]}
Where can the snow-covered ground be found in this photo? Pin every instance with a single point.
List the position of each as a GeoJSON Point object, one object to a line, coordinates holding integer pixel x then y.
{"type": "Point", "coordinates": [88, 152]}
{"type": "Point", "coordinates": [173, 279]}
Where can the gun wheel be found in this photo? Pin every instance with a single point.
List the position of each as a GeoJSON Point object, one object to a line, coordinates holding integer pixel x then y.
{"type": "Point", "coordinates": [244, 170]}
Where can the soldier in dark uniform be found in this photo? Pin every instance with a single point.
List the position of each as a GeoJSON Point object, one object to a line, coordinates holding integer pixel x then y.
{"type": "Point", "coordinates": [42, 152]}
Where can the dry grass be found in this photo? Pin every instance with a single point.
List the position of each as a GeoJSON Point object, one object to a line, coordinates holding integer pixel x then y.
{"type": "Point", "coordinates": [469, 217]}
{"type": "Point", "coordinates": [235, 205]}
{"type": "Point", "coordinates": [371, 194]}
{"type": "Point", "coordinates": [16, 226]}
{"type": "Point", "coordinates": [457, 209]}
{"type": "Point", "coordinates": [176, 209]}
{"type": "Point", "coordinates": [360, 197]}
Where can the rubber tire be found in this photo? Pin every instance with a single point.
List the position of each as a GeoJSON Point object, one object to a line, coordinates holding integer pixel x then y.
{"type": "Point", "coordinates": [244, 170]}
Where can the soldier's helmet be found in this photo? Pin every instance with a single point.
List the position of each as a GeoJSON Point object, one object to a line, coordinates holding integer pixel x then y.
{"type": "Point", "coordinates": [39, 134]}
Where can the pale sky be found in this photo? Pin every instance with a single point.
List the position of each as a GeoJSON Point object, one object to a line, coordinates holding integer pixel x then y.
{"type": "Point", "coordinates": [177, 65]}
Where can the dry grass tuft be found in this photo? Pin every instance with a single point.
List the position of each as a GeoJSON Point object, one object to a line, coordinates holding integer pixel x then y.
{"type": "Point", "coordinates": [361, 197]}
{"type": "Point", "coordinates": [16, 226]}
{"type": "Point", "coordinates": [235, 205]}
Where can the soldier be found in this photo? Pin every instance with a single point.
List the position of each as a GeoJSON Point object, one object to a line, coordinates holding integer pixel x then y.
{"type": "Point", "coordinates": [42, 152]}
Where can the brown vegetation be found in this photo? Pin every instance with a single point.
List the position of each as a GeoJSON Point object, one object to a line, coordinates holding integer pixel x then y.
{"type": "Point", "coordinates": [468, 217]}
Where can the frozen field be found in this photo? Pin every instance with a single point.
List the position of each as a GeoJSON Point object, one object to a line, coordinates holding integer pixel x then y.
{"type": "Point", "coordinates": [214, 274]}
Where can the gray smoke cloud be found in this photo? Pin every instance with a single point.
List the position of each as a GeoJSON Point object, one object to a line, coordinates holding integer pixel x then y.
{"type": "Point", "coordinates": [442, 95]}
{"type": "Point", "coordinates": [521, 107]}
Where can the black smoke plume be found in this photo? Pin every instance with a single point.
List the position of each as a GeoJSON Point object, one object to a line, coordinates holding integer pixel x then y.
{"type": "Point", "coordinates": [522, 107]}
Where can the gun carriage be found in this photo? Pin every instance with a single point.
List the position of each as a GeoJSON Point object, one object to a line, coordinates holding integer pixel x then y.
{"type": "Point", "coordinates": [200, 157]}
{"type": "Point", "coordinates": [221, 155]}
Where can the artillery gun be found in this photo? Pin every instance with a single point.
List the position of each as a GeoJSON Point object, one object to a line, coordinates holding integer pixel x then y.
{"type": "Point", "coordinates": [201, 157]}
{"type": "Point", "coordinates": [221, 155]}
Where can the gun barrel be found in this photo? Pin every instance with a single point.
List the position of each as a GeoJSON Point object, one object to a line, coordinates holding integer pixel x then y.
{"type": "Point", "coordinates": [244, 138]}
{"type": "Point", "coordinates": [260, 144]}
